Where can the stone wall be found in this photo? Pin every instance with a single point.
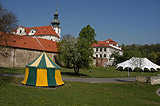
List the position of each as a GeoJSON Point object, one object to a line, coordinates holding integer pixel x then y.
{"type": "Point", "coordinates": [15, 57]}
{"type": "Point", "coordinates": [142, 79]}
{"type": "Point", "coordinates": [155, 80]}
{"type": "Point", "coordinates": [150, 79]}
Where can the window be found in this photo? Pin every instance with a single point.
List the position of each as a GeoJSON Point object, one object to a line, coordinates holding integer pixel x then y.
{"type": "Point", "coordinates": [104, 55]}
{"type": "Point", "coordinates": [97, 49]}
{"type": "Point", "coordinates": [100, 55]}
{"type": "Point", "coordinates": [96, 55]}
{"type": "Point", "coordinates": [100, 49]}
{"type": "Point", "coordinates": [104, 49]}
{"type": "Point", "coordinates": [20, 31]}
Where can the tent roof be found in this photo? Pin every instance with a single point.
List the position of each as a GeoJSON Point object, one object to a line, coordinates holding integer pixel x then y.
{"type": "Point", "coordinates": [138, 62]}
{"type": "Point", "coordinates": [43, 61]}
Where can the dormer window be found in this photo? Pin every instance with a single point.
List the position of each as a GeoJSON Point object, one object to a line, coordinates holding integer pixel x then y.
{"type": "Point", "coordinates": [111, 44]}
{"type": "Point", "coordinates": [20, 31]}
{"type": "Point", "coordinates": [117, 45]}
{"type": "Point", "coordinates": [32, 32]}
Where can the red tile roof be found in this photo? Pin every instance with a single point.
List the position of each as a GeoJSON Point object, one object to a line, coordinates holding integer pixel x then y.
{"type": "Point", "coordinates": [110, 40]}
{"type": "Point", "coordinates": [30, 43]}
{"type": "Point", "coordinates": [101, 44]}
{"type": "Point", "coordinates": [42, 30]}
{"type": "Point", "coordinates": [105, 43]}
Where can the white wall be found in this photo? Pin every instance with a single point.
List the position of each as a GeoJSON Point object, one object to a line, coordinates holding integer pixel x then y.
{"type": "Point", "coordinates": [108, 52]}
{"type": "Point", "coordinates": [57, 30]}
{"type": "Point", "coordinates": [48, 37]}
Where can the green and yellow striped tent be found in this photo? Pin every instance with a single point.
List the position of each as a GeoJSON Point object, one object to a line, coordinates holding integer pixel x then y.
{"type": "Point", "coordinates": [43, 72]}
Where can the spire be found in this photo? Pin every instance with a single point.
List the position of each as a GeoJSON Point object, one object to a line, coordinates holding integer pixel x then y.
{"type": "Point", "coordinates": [56, 11]}
{"type": "Point", "coordinates": [55, 22]}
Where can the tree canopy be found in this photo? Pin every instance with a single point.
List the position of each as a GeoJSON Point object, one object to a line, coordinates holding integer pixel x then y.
{"type": "Point", "coordinates": [89, 34]}
{"type": "Point", "coordinates": [66, 47]}
{"type": "Point", "coordinates": [8, 22]}
{"type": "Point", "coordinates": [152, 52]}
{"type": "Point", "coordinates": [77, 52]}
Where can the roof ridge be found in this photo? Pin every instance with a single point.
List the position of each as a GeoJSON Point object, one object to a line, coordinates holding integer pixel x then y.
{"type": "Point", "coordinates": [39, 26]}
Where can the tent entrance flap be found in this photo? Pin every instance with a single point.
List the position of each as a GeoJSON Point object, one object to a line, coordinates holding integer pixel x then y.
{"type": "Point", "coordinates": [41, 77]}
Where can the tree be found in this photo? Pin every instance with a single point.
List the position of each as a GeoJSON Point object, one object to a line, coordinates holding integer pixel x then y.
{"type": "Point", "coordinates": [153, 57]}
{"type": "Point", "coordinates": [158, 58]}
{"type": "Point", "coordinates": [66, 48]}
{"type": "Point", "coordinates": [136, 64]}
{"type": "Point", "coordinates": [78, 51]}
{"type": "Point", "coordinates": [8, 22]}
{"type": "Point", "coordinates": [86, 40]}
{"type": "Point", "coordinates": [117, 58]}
{"type": "Point", "coordinates": [69, 52]}
{"type": "Point", "coordinates": [89, 34]}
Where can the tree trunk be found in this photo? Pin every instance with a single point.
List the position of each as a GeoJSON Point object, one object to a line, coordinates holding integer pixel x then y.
{"type": "Point", "coordinates": [68, 64]}
{"type": "Point", "coordinates": [76, 70]}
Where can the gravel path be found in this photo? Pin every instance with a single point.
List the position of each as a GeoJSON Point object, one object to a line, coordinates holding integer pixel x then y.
{"type": "Point", "coordinates": [90, 80]}
{"type": "Point", "coordinates": [100, 80]}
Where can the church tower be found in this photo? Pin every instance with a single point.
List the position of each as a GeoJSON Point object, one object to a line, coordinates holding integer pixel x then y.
{"type": "Point", "coordinates": [55, 24]}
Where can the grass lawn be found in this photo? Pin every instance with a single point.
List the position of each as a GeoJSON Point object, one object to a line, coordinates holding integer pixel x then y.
{"type": "Point", "coordinates": [101, 72]}
{"type": "Point", "coordinates": [78, 94]}
{"type": "Point", "coordinates": [94, 72]}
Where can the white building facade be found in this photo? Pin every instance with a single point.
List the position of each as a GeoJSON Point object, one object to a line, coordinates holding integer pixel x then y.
{"type": "Point", "coordinates": [103, 51]}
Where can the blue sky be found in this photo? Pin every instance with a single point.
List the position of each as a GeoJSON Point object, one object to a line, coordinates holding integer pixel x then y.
{"type": "Point", "coordinates": [125, 21]}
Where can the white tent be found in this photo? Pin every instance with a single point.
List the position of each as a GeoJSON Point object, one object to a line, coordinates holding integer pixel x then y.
{"type": "Point", "coordinates": [138, 62]}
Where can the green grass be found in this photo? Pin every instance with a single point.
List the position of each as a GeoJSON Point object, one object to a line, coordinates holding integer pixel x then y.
{"type": "Point", "coordinates": [101, 72]}
{"type": "Point", "coordinates": [6, 70]}
{"type": "Point", "coordinates": [94, 72]}
{"type": "Point", "coordinates": [78, 94]}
